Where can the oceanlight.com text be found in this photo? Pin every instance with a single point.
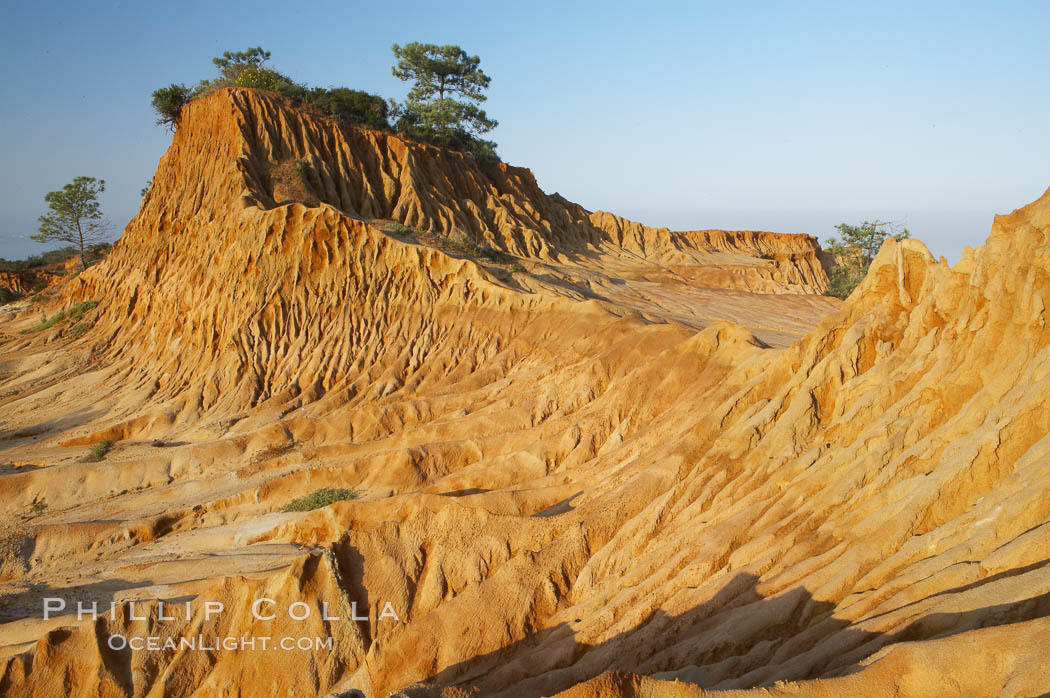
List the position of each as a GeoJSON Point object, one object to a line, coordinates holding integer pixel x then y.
{"type": "Point", "coordinates": [153, 643]}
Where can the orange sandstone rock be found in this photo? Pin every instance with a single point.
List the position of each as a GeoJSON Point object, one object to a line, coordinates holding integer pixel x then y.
{"type": "Point", "coordinates": [646, 463]}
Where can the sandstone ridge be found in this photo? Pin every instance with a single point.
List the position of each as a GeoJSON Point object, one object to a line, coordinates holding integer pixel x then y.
{"type": "Point", "coordinates": [648, 463]}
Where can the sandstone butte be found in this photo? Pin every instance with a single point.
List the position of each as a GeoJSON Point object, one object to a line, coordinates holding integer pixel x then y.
{"type": "Point", "coordinates": [626, 462]}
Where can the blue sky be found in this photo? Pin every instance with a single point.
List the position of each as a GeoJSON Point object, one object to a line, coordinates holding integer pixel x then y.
{"type": "Point", "coordinates": [772, 115]}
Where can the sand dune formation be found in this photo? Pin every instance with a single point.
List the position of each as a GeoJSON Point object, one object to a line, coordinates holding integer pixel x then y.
{"type": "Point", "coordinates": [612, 460]}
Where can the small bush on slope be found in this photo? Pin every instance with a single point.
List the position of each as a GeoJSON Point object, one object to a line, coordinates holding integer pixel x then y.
{"type": "Point", "coordinates": [319, 499]}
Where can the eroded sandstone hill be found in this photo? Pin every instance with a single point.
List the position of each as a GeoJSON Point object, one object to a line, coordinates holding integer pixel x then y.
{"type": "Point", "coordinates": [585, 467]}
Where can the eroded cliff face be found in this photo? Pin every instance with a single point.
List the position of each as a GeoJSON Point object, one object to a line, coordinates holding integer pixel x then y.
{"type": "Point", "coordinates": [594, 464]}
{"type": "Point", "coordinates": [24, 283]}
{"type": "Point", "coordinates": [221, 289]}
{"type": "Point", "coordinates": [377, 175]}
{"type": "Point", "coordinates": [244, 146]}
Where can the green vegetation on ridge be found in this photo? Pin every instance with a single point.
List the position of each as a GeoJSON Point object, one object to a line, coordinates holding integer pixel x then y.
{"type": "Point", "coordinates": [50, 257]}
{"type": "Point", "coordinates": [430, 114]}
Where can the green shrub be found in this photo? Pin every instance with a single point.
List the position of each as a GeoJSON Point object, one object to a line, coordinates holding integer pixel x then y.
{"type": "Point", "coordinates": [455, 139]}
{"type": "Point", "coordinates": [100, 449]}
{"type": "Point", "coordinates": [206, 87]}
{"type": "Point", "coordinates": [264, 79]}
{"type": "Point", "coordinates": [82, 307]}
{"type": "Point", "coordinates": [46, 322]}
{"type": "Point", "coordinates": [320, 498]}
{"type": "Point", "coordinates": [517, 267]}
{"type": "Point", "coordinates": [405, 231]}
{"type": "Point", "coordinates": [475, 251]}
{"type": "Point", "coordinates": [351, 106]}
{"type": "Point", "coordinates": [74, 312]}
{"type": "Point", "coordinates": [168, 103]}
{"type": "Point", "coordinates": [7, 295]}
{"type": "Point", "coordinates": [39, 285]}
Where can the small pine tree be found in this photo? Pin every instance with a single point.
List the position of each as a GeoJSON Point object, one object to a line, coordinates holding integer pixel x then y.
{"type": "Point", "coordinates": [442, 105]}
{"type": "Point", "coordinates": [854, 253]}
{"type": "Point", "coordinates": [75, 215]}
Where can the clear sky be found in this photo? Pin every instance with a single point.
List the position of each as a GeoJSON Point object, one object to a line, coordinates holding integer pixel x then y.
{"type": "Point", "coordinates": [785, 116]}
